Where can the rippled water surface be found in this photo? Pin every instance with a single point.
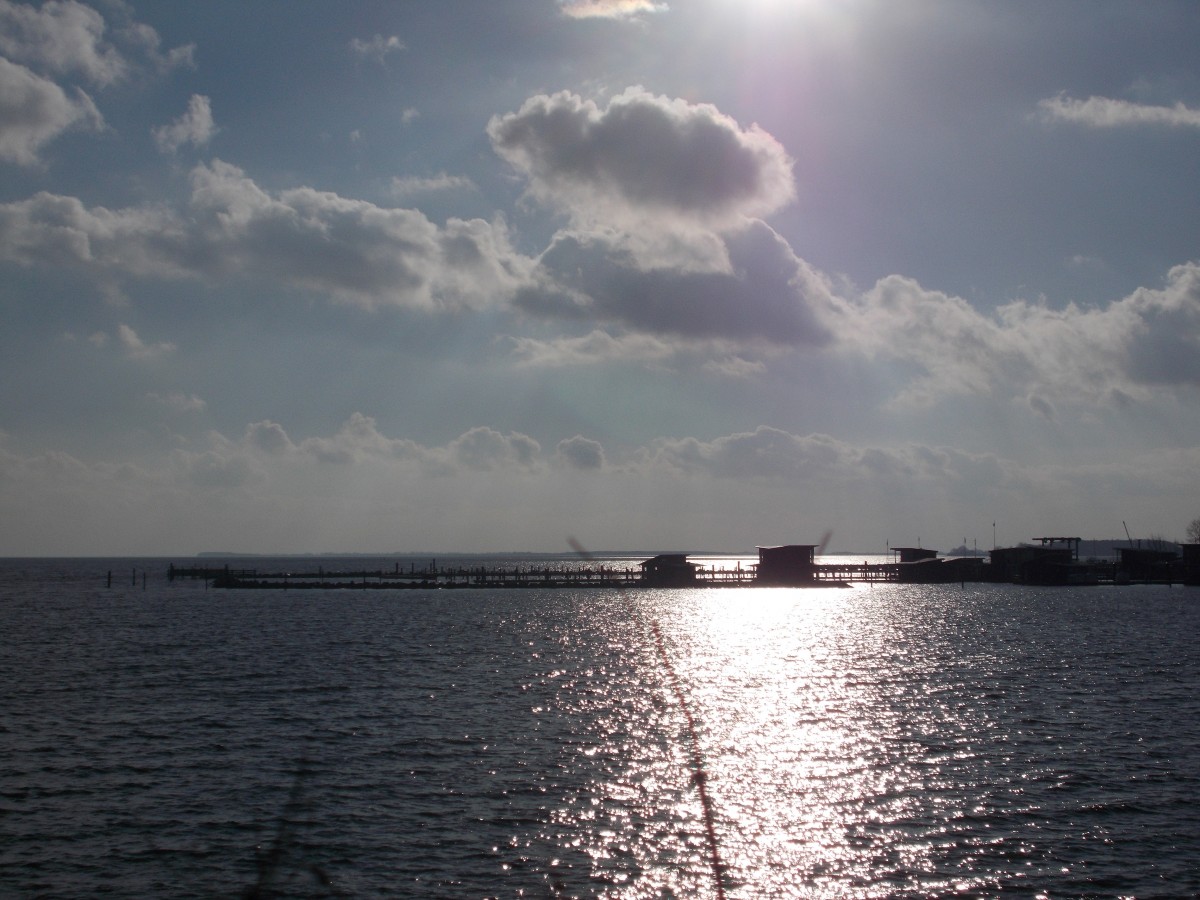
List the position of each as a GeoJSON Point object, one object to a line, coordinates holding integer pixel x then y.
{"type": "Point", "coordinates": [898, 741]}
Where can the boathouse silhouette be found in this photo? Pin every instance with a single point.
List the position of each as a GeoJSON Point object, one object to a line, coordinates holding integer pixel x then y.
{"type": "Point", "coordinates": [1189, 563]}
{"type": "Point", "coordinates": [1145, 563]}
{"type": "Point", "coordinates": [668, 570]}
{"type": "Point", "coordinates": [788, 565]}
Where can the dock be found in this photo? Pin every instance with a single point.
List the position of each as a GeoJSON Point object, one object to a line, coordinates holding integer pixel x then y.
{"type": "Point", "coordinates": [1055, 563]}
{"type": "Point", "coordinates": [515, 577]}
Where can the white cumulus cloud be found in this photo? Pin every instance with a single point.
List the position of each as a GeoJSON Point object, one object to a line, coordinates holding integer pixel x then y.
{"type": "Point", "coordinates": [195, 127]}
{"type": "Point", "coordinates": [349, 250]}
{"type": "Point", "coordinates": [643, 157]}
{"type": "Point", "coordinates": [1103, 354]}
{"type": "Point", "coordinates": [35, 110]}
{"type": "Point", "coordinates": [64, 37]}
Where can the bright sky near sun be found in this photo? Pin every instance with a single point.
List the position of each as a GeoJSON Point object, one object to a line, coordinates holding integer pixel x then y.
{"type": "Point", "coordinates": [704, 275]}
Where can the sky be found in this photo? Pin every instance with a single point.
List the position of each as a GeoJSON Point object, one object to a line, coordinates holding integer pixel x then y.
{"type": "Point", "coordinates": [700, 276]}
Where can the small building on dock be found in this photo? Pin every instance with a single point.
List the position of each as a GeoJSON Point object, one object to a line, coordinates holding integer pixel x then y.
{"type": "Point", "coordinates": [1145, 564]}
{"type": "Point", "coordinates": [790, 565]}
{"type": "Point", "coordinates": [668, 570]}
{"type": "Point", "coordinates": [1189, 563]}
{"type": "Point", "coordinates": [1055, 561]}
{"type": "Point", "coordinates": [913, 554]}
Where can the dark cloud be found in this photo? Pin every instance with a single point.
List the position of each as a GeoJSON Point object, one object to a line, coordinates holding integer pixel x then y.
{"type": "Point", "coordinates": [767, 293]}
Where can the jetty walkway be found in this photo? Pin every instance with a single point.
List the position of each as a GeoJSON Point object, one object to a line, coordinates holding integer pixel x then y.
{"type": "Point", "coordinates": [430, 577]}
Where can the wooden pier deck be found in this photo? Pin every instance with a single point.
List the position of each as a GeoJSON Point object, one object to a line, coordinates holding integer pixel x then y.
{"type": "Point", "coordinates": [430, 577]}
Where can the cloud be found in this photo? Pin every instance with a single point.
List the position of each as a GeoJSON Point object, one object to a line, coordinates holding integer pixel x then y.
{"type": "Point", "coordinates": [55, 231]}
{"type": "Point", "coordinates": [1164, 346]}
{"type": "Point", "coordinates": [212, 469]}
{"type": "Point", "coordinates": [360, 442]}
{"type": "Point", "coordinates": [776, 455]}
{"type": "Point", "coordinates": [135, 348]}
{"type": "Point", "coordinates": [147, 41]}
{"type": "Point", "coordinates": [763, 453]}
{"type": "Point", "coordinates": [485, 449]}
{"type": "Point", "coordinates": [735, 367]}
{"type": "Point", "coordinates": [405, 187]}
{"type": "Point", "coordinates": [1105, 112]}
{"type": "Point", "coordinates": [662, 197]}
{"type": "Point", "coordinates": [581, 453]}
{"type": "Point", "coordinates": [766, 295]}
{"type": "Point", "coordinates": [35, 110]}
{"type": "Point", "coordinates": [268, 437]}
{"type": "Point", "coordinates": [1084, 262]}
{"type": "Point", "coordinates": [267, 492]}
{"type": "Point", "coordinates": [64, 37]}
{"type": "Point", "coordinates": [1027, 350]}
{"type": "Point", "coordinates": [178, 402]}
{"type": "Point", "coordinates": [349, 250]}
{"type": "Point", "coordinates": [643, 158]}
{"type": "Point", "coordinates": [610, 9]}
{"type": "Point", "coordinates": [357, 440]}
{"type": "Point", "coordinates": [377, 47]}
{"type": "Point", "coordinates": [596, 348]}
{"type": "Point", "coordinates": [194, 127]}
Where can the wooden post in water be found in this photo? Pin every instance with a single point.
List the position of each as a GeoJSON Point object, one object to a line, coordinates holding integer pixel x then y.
{"type": "Point", "coordinates": [109, 578]}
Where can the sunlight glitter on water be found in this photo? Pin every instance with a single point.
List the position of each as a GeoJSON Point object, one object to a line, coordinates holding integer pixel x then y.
{"type": "Point", "coordinates": [809, 773]}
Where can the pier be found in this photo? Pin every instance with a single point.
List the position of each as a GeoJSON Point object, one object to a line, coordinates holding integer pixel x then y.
{"type": "Point", "coordinates": [1054, 563]}
{"type": "Point", "coordinates": [517, 577]}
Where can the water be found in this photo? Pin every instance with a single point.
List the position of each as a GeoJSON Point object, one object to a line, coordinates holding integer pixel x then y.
{"type": "Point", "coordinates": [887, 741]}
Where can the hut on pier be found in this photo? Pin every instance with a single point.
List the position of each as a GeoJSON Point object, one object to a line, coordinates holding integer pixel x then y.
{"type": "Point", "coordinates": [668, 570]}
{"type": "Point", "coordinates": [1190, 563]}
{"type": "Point", "coordinates": [1054, 562]}
{"type": "Point", "coordinates": [1145, 563]}
{"type": "Point", "coordinates": [790, 565]}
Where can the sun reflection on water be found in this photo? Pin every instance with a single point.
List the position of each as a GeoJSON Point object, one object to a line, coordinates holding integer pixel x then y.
{"type": "Point", "coordinates": [828, 778]}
